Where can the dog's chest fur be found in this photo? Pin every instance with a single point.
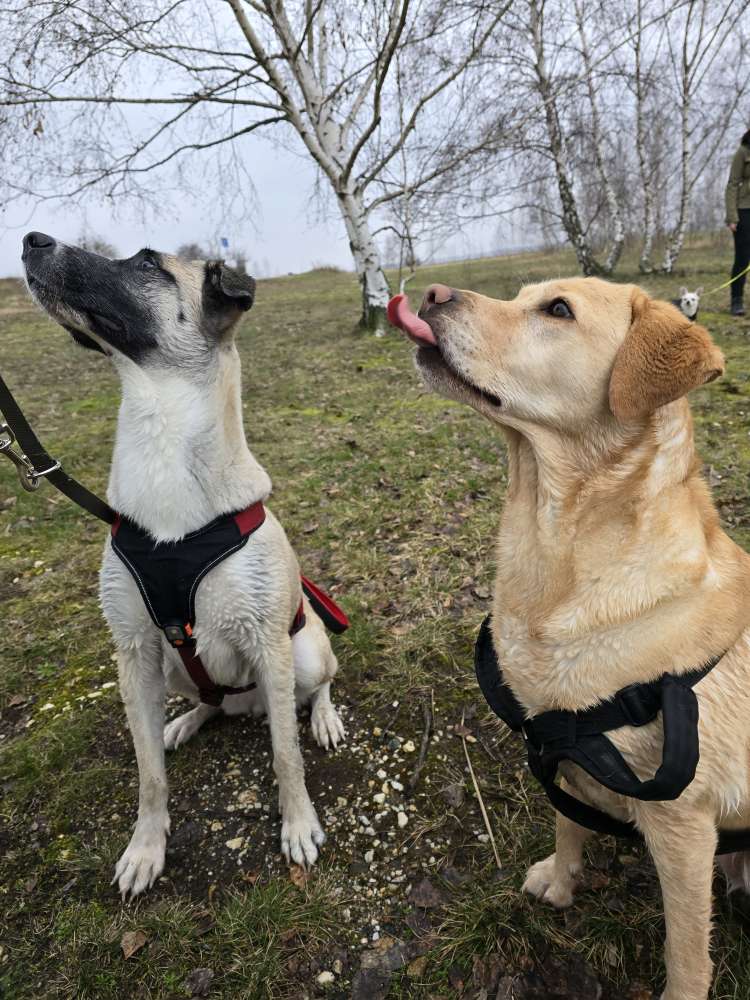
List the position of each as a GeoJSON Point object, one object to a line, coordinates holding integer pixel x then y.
{"type": "Point", "coordinates": [595, 596]}
{"type": "Point", "coordinates": [180, 460]}
{"type": "Point", "coordinates": [180, 456]}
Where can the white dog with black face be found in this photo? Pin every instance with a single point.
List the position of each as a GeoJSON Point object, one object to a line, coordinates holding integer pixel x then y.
{"type": "Point", "coordinates": [181, 460]}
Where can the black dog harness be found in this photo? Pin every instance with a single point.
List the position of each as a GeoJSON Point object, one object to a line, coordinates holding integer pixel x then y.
{"type": "Point", "coordinates": [167, 573]}
{"type": "Point", "coordinates": [555, 736]}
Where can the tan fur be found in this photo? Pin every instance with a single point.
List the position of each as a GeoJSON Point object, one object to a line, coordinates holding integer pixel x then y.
{"type": "Point", "coordinates": [663, 357]}
{"type": "Point", "coordinates": [612, 567]}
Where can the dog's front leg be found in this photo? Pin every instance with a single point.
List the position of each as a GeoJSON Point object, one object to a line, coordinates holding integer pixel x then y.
{"type": "Point", "coordinates": [683, 850]}
{"type": "Point", "coordinates": [554, 879]}
{"type": "Point", "coordinates": [142, 691]}
{"type": "Point", "coordinates": [301, 832]}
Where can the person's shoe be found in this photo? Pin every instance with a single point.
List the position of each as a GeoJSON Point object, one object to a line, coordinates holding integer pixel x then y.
{"type": "Point", "coordinates": [737, 308]}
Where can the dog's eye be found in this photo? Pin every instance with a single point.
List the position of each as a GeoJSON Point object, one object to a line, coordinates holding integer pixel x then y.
{"type": "Point", "coordinates": [560, 309]}
{"type": "Point", "coordinates": [148, 264]}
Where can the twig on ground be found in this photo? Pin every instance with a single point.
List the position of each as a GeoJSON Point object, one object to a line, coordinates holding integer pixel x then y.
{"type": "Point", "coordinates": [486, 749]}
{"type": "Point", "coordinates": [428, 712]}
{"type": "Point", "coordinates": [485, 817]}
{"type": "Point", "coordinates": [388, 727]}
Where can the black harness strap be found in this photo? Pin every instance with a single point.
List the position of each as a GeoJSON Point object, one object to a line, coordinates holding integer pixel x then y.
{"type": "Point", "coordinates": [168, 573]}
{"type": "Point", "coordinates": [39, 464]}
{"type": "Point", "coordinates": [555, 736]}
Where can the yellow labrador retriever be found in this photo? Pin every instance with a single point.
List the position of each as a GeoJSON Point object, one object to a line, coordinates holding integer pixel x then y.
{"type": "Point", "coordinates": [612, 567]}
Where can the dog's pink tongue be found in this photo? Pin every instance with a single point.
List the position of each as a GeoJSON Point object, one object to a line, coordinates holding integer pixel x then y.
{"type": "Point", "coordinates": [400, 315]}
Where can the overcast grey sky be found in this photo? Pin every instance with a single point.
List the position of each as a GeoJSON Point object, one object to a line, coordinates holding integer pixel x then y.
{"type": "Point", "coordinates": [282, 236]}
{"type": "Point", "coordinates": [285, 232]}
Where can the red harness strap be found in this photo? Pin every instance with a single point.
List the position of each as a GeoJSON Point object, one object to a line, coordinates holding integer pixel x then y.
{"type": "Point", "coordinates": [208, 691]}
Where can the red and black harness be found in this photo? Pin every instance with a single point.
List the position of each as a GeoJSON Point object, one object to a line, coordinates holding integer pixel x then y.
{"type": "Point", "coordinates": [556, 736]}
{"type": "Point", "coordinates": [167, 573]}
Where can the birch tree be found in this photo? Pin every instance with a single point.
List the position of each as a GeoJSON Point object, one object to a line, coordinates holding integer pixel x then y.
{"type": "Point", "coordinates": [99, 96]}
{"type": "Point", "coordinates": [706, 48]}
{"type": "Point", "coordinates": [640, 75]}
{"type": "Point", "coordinates": [559, 87]}
{"type": "Point", "coordinates": [629, 106]}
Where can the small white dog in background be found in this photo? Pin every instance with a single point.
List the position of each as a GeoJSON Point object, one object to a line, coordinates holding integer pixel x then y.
{"type": "Point", "coordinates": [688, 302]}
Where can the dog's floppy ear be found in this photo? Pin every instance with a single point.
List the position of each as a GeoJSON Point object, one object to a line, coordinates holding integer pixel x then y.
{"type": "Point", "coordinates": [235, 288]}
{"type": "Point", "coordinates": [662, 358]}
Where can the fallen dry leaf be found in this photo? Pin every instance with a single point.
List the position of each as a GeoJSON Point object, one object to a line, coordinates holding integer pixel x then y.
{"type": "Point", "coordinates": [251, 877]}
{"type": "Point", "coordinates": [299, 876]}
{"type": "Point", "coordinates": [198, 983]}
{"type": "Point", "coordinates": [640, 992]}
{"type": "Point", "coordinates": [204, 923]}
{"type": "Point", "coordinates": [132, 941]}
{"type": "Point", "coordinates": [426, 895]}
{"type": "Point", "coordinates": [416, 969]}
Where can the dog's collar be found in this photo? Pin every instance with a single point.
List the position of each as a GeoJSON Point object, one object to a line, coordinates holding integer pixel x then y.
{"type": "Point", "coordinates": [556, 736]}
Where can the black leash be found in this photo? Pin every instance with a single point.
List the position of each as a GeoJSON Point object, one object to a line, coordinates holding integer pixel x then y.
{"type": "Point", "coordinates": [555, 736]}
{"type": "Point", "coordinates": [34, 463]}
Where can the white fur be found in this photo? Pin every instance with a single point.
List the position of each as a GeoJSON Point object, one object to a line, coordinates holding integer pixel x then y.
{"type": "Point", "coordinates": [689, 302]}
{"type": "Point", "coordinates": [180, 459]}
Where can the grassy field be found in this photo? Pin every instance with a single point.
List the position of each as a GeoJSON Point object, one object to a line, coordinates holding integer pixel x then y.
{"type": "Point", "coordinates": [391, 497]}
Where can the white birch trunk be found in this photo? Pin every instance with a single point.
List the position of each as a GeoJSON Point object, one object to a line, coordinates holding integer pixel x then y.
{"type": "Point", "coordinates": [677, 236]}
{"type": "Point", "coordinates": [618, 226]}
{"type": "Point", "coordinates": [571, 219]}
{"type": "Point", "coordinates": [645, 264]}
{"type": "Point", "coordinates": [375, 291]}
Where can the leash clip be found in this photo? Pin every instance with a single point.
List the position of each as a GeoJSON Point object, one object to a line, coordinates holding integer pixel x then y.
{"type": "Point", "coordinates": [27, 474]}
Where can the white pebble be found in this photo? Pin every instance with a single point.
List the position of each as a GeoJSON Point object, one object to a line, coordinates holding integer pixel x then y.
{"type": "Point", "coordinates": [402, 819]}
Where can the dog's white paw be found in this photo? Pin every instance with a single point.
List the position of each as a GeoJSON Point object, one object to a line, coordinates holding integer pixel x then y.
{"type": "Point", "coordinates": [301, 836]}
{"type": "Point", "coordinates": [183, 728]}
{"type": "Point", "coordinates": [543, 882]}
{"type": "Point", "coordinates": [326, 725]}
{"type": "Point", "coordinates": [142, 863]}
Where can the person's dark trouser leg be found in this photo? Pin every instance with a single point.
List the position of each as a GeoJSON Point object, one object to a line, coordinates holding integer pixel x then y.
{"type": "Point", "coordinates": [741, 259]}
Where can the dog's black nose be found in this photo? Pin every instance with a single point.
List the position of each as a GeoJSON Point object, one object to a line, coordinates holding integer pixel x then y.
{"type": "Point", "coordinates": [38, 241]}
